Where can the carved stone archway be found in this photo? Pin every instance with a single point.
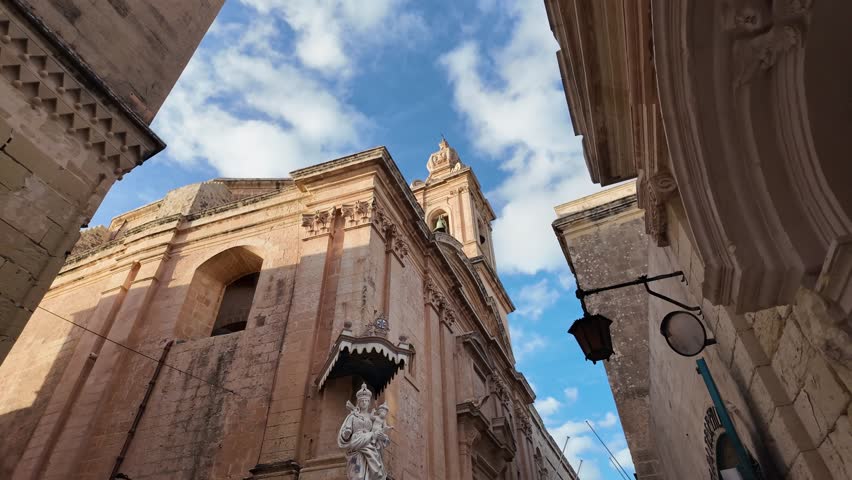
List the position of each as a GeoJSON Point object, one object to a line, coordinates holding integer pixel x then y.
{"type": "Point", "coordinates": [742, 93]}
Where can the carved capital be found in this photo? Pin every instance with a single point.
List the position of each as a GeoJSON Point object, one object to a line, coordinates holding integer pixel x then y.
{"type": "Point", "coordinates": [432, 295]}
{"type": "Point", "coordinates": [499, 388]}
{"type": "Point", "coordinates": [357, 213]}
{"type": "Point", "coordinates": [400, 247]}
{"type": "Point", "coordinates": [319, 222]}
{"type": "Point", "coordinates": [381, 220]}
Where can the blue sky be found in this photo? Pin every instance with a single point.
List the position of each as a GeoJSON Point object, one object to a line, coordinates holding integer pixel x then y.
{"type": "Point", "coordinates": [279, 84]}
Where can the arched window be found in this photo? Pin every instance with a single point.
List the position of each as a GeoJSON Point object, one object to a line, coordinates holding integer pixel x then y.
{"type": "Point", "coordinates": [235, 305]}
{"type": "Point", "coordinates": [439, 221]}
{"type": "Point", "coordinates": [220, 294]}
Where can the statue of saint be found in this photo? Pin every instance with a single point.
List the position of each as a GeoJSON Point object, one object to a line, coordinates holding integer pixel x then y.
{"type": "Point", "coordinates": [363, 439]}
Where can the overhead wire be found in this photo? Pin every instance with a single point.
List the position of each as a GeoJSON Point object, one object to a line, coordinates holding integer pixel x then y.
{"type": "Point", "coordinates": [155, 360]}
{"type": "Point", "coordinates": [615, 461]}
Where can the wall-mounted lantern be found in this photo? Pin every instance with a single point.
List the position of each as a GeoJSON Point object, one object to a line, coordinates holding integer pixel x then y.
{"type": "Point", "coordinates": [683, 330]}
{"type": "Point", "coordinates": [592, 333]}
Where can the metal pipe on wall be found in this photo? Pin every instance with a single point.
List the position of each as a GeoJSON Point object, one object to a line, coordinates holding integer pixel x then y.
{"type": "Point", "coordinates": [139, 412]}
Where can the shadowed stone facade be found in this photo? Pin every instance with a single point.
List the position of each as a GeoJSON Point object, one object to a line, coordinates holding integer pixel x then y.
{"type": "Point", "coordinates": [80, 83]}
{"type": "Point", "coordinates": [352, 287]}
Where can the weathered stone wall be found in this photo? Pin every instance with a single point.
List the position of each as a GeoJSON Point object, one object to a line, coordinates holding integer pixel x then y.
{"type": "Point", "coordinates": [41, 359]}
{"type": "Point", "coordinates": [158, 37]}
{"type": "Point", "coordinates": [788, 394]}
{"type": "Point", "coordinates": [612, 254]}
{"type": "Point", "coordinates": [606, 241]}
{"type": "Point", "coordinates": [64, 140]}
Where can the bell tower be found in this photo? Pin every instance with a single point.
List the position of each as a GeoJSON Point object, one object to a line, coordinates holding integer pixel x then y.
{"type": "Point", "coordinates": [454, 205]}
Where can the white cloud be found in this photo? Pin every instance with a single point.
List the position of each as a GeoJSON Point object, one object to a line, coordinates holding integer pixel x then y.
{"type": "Point", "coordinates": [514, 105]}
{"type": "Point", "coordinates": [327, 30]}
{"type": "Point", "coordinates": [259, 140]}
{"type": "Point", "coordinates": [624, 458]}
{"type": "Point", "coordinates": [252, 105]}
{"type": "Point", "coordinates": [524, 342]}
{"type": "Point", "coordinates": [547, 406]}
{"type": "Point", "coordinates": [571, 393]}
{"type": "Point", "coordinates": [567, 280]}
{"type": "Point", "coordinates": [580, 446]}
{"type": "Point", "coordinates": [534, 299]}
{"type": "Point", "coordinates": [609, 420]}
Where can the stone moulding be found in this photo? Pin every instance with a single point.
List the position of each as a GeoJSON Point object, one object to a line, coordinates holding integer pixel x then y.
{"type": "Point", "coordinates": [93, 116]}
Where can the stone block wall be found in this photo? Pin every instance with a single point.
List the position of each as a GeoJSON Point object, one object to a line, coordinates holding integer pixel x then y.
{"type": "Point", "coordinates": [790, 394]}
{"type": "Point", "coordinates": [157, 40]}
{"type": "Point", "coordinates": [604, 238]}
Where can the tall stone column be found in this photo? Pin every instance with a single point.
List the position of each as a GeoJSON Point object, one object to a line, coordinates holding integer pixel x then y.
{"type": "Point", "coordinates": [278, 457]}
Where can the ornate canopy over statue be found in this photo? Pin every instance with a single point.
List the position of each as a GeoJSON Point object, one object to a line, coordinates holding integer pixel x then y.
{"type": "Point", "coordinates": [373, 358]}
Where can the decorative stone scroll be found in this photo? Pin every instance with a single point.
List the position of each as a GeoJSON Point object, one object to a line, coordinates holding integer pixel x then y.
{"type": "Point", "coordinates": [433, 296]}
{"type": "Point", "coordinates": [49, 87]}
{"type": "Point", "coordinates": [522, 417]}
{"type": "Point", "coordinates": [654, 193]}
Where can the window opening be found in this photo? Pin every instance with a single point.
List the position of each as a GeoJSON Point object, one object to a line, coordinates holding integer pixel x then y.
{"type": "Point", "coordinates": [235, 305]}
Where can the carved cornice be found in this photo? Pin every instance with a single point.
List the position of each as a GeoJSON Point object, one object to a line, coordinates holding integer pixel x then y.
{"type": "Point", "coordinates": [94, 119]}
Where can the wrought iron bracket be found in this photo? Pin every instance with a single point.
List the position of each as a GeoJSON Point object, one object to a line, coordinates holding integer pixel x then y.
{"type": "Point", "coordinates": [642, 280]}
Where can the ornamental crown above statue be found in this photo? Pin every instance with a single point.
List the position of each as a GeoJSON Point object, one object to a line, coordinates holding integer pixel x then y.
{"type": "Point", "coordinates": [364, 436]}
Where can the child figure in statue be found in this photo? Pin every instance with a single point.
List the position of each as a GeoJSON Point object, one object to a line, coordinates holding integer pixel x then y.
{"type": "Point", "coordinates": [380, 426]}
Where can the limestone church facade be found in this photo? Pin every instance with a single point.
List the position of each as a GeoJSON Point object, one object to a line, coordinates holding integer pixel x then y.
{"type": "Point", "coordinates": [221, 330]}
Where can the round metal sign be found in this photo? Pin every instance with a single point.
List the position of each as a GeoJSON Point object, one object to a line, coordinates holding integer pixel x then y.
{"type": "Point", "coordinates": [684, 333]}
